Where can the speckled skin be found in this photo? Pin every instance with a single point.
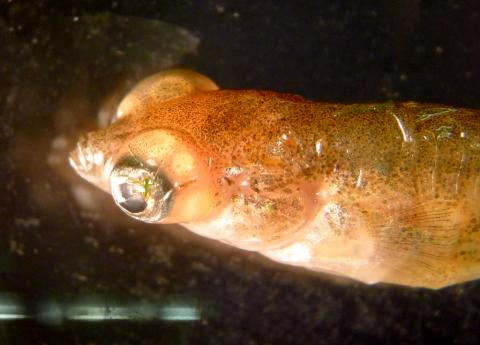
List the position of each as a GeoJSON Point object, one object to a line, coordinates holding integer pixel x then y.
{"type": "Point", "coordinates": [376, 192]}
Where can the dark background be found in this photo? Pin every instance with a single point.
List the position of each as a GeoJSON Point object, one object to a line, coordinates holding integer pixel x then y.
{"type": "Point", "coordinates": [53, 249]}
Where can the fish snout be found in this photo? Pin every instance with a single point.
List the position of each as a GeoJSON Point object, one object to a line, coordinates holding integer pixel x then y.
{"type": "Point", "coordinates": [88, 162]}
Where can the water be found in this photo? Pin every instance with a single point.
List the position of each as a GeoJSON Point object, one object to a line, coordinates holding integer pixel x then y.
{"type": "Point", "coordinates": [68, 255]}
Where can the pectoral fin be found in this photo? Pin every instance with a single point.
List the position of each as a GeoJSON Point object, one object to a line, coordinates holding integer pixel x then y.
{"type": "Point", "coordinates": [421, 244]}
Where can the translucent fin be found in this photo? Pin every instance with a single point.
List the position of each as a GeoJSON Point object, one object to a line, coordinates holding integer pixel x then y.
{"type": "Point", "coordinates": [419, 244]}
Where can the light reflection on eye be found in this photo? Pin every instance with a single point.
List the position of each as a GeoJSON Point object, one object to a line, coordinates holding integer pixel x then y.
{"type": "Point", "coordinates": [141, 190]}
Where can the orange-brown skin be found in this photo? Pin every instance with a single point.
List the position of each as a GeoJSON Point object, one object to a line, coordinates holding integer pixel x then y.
{"type": "Point", "coordinates": [376, 192]}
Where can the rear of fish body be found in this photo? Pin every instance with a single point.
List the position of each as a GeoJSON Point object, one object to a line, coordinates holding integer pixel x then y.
{"type": "Point", "coordinates": [376, 192]}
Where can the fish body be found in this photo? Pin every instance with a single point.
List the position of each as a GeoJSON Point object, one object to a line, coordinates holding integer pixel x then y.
{"type": "Point", "coordinates": [385, 192]}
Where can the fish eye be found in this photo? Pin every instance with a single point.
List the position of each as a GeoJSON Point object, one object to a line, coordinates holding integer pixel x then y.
{"type": "Point", "coordinates": [141, 190]}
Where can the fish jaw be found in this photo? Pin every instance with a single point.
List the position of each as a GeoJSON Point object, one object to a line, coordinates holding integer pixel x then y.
{"type": "Point", "coordinates": [91, 163]}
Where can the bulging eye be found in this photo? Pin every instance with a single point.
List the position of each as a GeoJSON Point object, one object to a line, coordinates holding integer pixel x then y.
{"type": "Point", "coordinates": [141, 190]}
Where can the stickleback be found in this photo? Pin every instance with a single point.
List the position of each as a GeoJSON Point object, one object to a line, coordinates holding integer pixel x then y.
{"type": "Point", "coordinates": [386, 192]}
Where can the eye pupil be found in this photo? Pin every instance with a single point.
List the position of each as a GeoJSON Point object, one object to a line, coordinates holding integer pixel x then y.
{"type": "Point", "coordinates": [134, 201]}
{"type": "Point", "coordinates": [141, 190]}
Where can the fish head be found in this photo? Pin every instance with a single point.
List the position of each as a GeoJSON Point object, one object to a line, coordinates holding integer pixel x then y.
{"type": "Point", "coordinates": [154, 172]}
{"type": "Point", "coordinates": [210, 160]}
{"type": "Point", "coordinates": [156, 176]}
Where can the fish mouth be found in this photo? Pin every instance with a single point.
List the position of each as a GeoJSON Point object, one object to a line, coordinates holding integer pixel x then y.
{"type": "Point", "coordinates": [88, 163]}
{"type": "Point", "coordinates": [82, 157]}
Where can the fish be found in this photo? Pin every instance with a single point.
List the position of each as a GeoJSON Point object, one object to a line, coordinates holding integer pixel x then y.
{"type": "Point", "coordinates": [376, 192]}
